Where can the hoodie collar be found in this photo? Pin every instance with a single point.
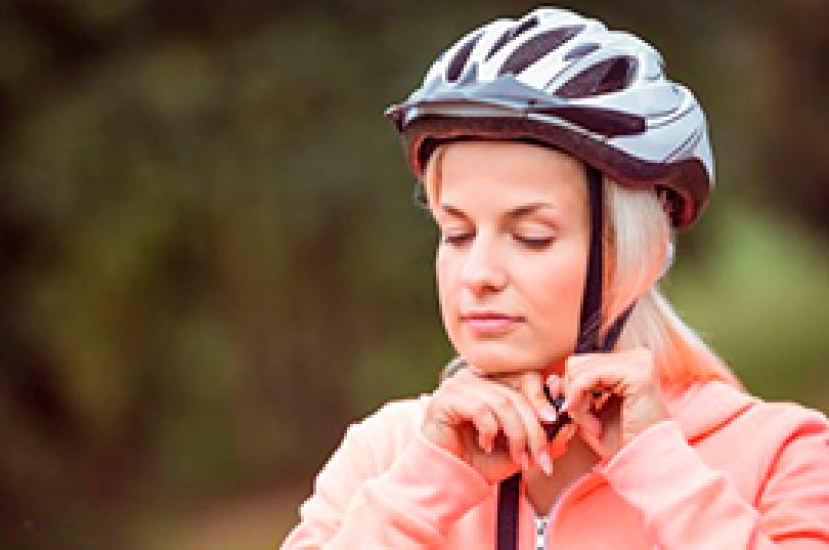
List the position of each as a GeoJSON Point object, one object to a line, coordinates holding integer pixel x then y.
{"type": "Point", "coordinates": [705, 406]}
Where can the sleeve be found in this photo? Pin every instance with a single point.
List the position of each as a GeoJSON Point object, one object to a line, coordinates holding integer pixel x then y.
{"type": "Point", "coordinates": [687, 504]}
{"type": "Point", "coordinates": [410, 505]}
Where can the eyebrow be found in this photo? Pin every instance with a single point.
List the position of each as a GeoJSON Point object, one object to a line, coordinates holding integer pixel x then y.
{"type": "Point", "coordinates": [517, 212]}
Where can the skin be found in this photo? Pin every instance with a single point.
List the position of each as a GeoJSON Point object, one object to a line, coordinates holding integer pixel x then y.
{"type": "Point", "coordinates": [510, 266]}
{"type": "Point", "coordinates": [514, 236]}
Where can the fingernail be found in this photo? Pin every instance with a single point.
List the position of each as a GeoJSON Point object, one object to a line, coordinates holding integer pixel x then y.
{"type": "Point", "coordinates": [544, 462]}
{"type": "Point", "coordinates": [547, 413]}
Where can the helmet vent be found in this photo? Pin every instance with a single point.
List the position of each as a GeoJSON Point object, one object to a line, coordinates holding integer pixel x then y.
{"type": "Point", "coordinates": [537, 47]}
{"type": "Point", "coordinates": [580, 51]}
{"type": "Point", "coordinates": [525, 26]}
{"type": "Point", "coordinates": [503, 39]}
{"type": "Point", "coordinates": [611, 75]}
{"type": "Point", "coordinates": [453, 71]}
{"type": "Point", "coordinates": [510, 34]}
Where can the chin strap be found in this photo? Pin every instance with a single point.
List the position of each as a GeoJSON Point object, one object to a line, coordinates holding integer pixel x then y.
{"type": "Point", "coordinates": [508, 493]}
{"type": "Point", "coordinates": [591, 305]}
{"type": "Point", "coordinates": [588, 342]}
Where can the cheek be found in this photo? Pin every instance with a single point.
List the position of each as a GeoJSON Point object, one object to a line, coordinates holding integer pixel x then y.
{"type": "Point", "coordinates": [557, 286]}
{"type": "Point", "coordinates": [445, 281]}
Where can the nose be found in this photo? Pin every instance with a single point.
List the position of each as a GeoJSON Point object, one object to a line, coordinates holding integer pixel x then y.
{"type": "Point", "coordinates": [483, 270]}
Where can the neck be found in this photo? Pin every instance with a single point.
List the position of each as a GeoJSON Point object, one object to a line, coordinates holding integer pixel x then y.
{"type": "Point", "coordinates": [543, 492]}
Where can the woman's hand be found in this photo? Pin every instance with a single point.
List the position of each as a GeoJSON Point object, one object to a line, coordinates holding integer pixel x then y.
{"type": "Point", "coordinates": [612, 397]}
{"type": "Point", "coordinates": [493, 423]}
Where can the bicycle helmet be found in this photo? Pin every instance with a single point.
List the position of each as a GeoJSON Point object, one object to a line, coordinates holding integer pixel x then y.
{"type": "Point", "coordinates": [567, 81]}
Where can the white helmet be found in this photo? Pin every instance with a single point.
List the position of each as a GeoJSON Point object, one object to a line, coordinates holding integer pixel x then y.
{"type": "Point", "coordinates": [561, 79]}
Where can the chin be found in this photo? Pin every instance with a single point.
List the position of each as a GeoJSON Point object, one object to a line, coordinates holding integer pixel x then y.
{"type": "Point", "coordinates": [493, 359]}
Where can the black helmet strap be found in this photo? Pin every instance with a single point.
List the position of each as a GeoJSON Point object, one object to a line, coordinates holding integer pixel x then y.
{"type": "Point", "coordinates": [591, 305]}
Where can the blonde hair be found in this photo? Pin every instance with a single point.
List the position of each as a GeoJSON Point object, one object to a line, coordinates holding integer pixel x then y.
{"type": "Point", "coordinates": [637, 237]}
{"type": "Point", "coordinates": [637, 240]}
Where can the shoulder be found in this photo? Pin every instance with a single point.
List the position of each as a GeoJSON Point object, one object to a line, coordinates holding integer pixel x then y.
{"type": "Point", "coordinates": [792, 413]}
{"type": "Point", "coordinates": [753, 440]}
{"type": "Point", "coordinates": [782, 418]}
{"type": "Point", "coordinates": [730, 426]}
{"type": "Point", "coordinates": [710, 407]}
{"type": "Point", "coordinates": [788, 424]}
{"type": "Point", "coordinates": [380, 437]}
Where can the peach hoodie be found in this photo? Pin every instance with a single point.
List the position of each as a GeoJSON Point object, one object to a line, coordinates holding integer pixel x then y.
{"type": "Point", "coordinates": [728, 472]}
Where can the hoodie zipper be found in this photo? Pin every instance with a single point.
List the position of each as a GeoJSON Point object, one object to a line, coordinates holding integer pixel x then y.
{"type": "Point", "coordinates": [541, 532]}
{"type": "Point", "coordinates": [542, 523]}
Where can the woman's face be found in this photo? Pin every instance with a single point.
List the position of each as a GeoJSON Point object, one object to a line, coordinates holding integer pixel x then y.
{"type": "Point", "coordinates": [512, 256]}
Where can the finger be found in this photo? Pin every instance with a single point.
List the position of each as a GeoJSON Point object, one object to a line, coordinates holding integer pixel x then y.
{"type": "Point", "coordinates": [528, 404]}
{"type": "Point", "coordinates": [507, 398]}
{"type": "Point", "coordinates": [532, 386]}
{"type": "Point", "coordinates": [541, 411]}
{"type": "Point", "coordinates": [598, 417]}
{"type": "Point", "coordinates": [600, 398]}
{"type": "Point", "coordinates": [555, 387]}
{"type": "Point", "coordinates": [607, 393]}
{"type": "Point", "coordinates": [559, 444]}
{"type": "Point", "coordinates": [464, 403]}
{"type": "Point", "coordinates": [581, 401]}
{"type": "Point", "coordinates": [486, 427]}
{"type": "Point", "coordinates": [502, 404]}
{"type": "Point", "coordinates": [535, 438]}
{"type": "Point", "coordinates": [635, 366]}
{"type": "Point", "coordinates": [588, 387]}
{"type": "Point", "coordinates": [583, 419]}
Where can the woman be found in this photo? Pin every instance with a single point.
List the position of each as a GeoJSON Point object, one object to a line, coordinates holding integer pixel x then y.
{"type": "Point", "coordinates": [557, 160]}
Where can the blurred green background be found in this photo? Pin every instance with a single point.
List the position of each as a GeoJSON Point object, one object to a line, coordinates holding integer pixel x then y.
{"type": "Point", "coordinates": [210, 261]}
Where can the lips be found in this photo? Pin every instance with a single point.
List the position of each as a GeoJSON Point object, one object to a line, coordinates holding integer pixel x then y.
{"type": "Point", "coordinates": [490, 323]}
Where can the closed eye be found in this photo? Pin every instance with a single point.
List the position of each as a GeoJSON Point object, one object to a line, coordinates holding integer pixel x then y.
{"type": "Point", "coordinates": [456, 239]}
{"type": "Point", "coordinates": [534, 243]}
